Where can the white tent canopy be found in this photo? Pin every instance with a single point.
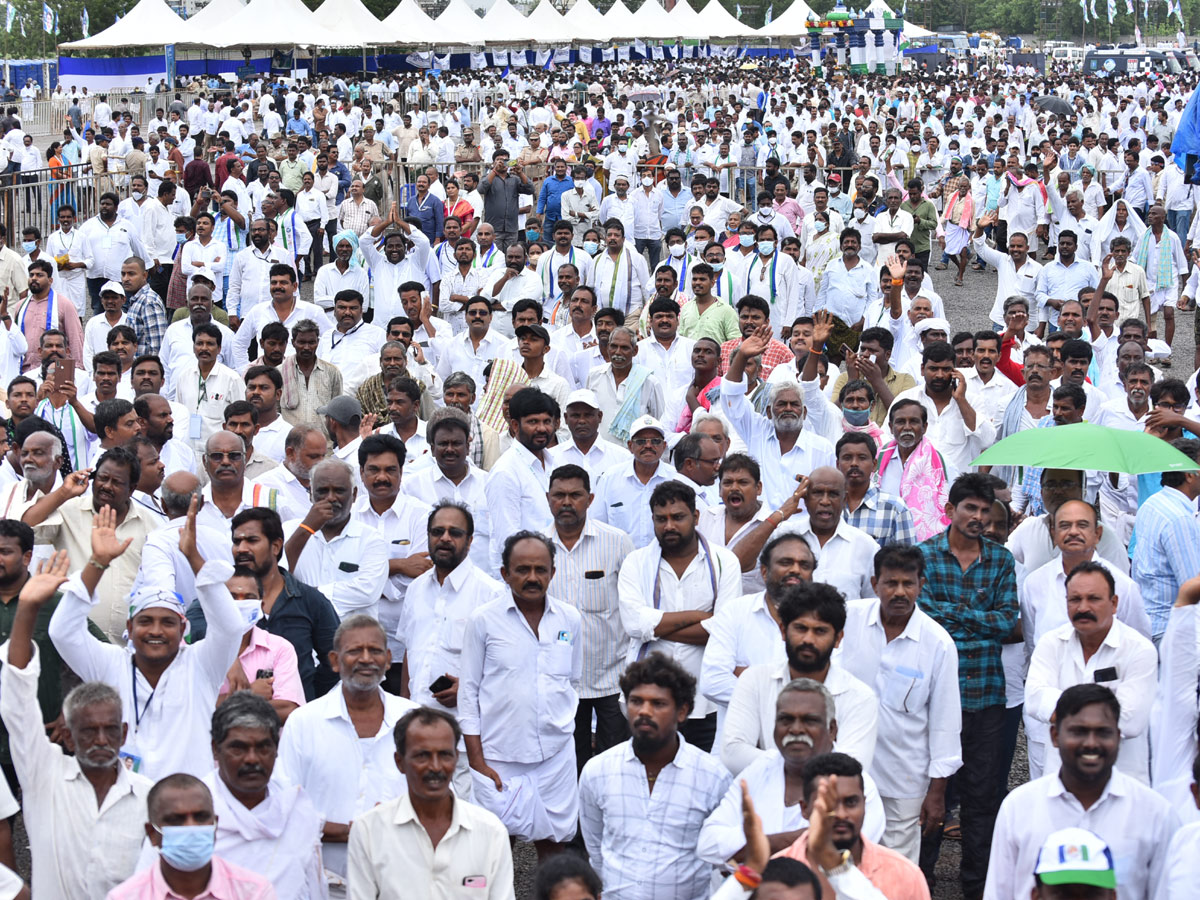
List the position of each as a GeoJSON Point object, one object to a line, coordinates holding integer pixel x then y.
{"type": "Point", "coordinates": [504, 25]}
{"type": "Point", "coordinates": [585, 19]}
{"type": "Point", "coordinates": [791, 23]}
{"type": "Point", "coordinates": [654, 22]}
{"type": "Point", "coordinates": [546, 25]}
{"type": "Point", "coordinates": [621, 22]}
{"type": "Point", "coordinates": [150, 23]}
{"type": "Point", "coordinates": [458, 25]}
{"type": "Point", "coordinates": [720, 24]}
{"type": "Point", "coordinates": [353, 24]}
{"type": "Point", "coordinates": [214, 13]}
{"type": "Point", "coordinates": [688, 22]}
{"type": "Point", "coordinates": [268, 23]}
{"type": "Point", "coordinates": [411, 24]}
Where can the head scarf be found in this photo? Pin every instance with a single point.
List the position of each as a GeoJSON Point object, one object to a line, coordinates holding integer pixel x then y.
{"type": "Point", "coordinates": [348, 235]}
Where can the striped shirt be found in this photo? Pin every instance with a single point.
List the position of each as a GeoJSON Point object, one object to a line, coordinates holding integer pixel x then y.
{"type": "Point", "coordinates": [1167, 552]}
{"type": "Point", "coordinates": [586, 577]}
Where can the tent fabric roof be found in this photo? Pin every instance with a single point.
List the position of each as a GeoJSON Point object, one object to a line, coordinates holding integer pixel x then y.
{"type": "Point", "coordinates": [720, 24]}
{"type": "Point", "coordinates": [546, 24]}
{"type": "Point", "coordinates": [411, 24]}
{"type": "Point", "coordinates": [145, 24]}
{"type": "Point", "coordinates": [215, 12]}
{"type": "Point", "coordinates": [791, 22]}
{"type": "Point", "coordinates": [688, 22]}
{"type": "Point", "coordinates": [268, 23]}
{"type": "Point", "coordinates": [585, 20]}
{"type": "Point", "coordinates": [458, 24]}
{"type": "Point", "coordinates": [621, 22]}
{"type": "Point", "coordinates": [504, 25]}
{"type": "Point", "coordinates": [353, 23]}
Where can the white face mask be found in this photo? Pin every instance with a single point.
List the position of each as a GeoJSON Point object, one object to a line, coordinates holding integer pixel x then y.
{"type": "Point", "coordinates": [647, 181]}
{"type": "Point", "coordinates": [136, 195]}
{"type": "Point", "coordinates": [677, 250]}
{"type": "Point", "coordinates": [860, 214]}
{"type": "Point", "coordinates": [580, 183]}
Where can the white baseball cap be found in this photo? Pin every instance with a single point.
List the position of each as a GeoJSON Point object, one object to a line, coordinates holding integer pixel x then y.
{"type": "Point", "coordinates": [647, 422]}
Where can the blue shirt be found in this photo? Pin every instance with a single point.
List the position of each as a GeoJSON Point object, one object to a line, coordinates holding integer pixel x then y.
{"type": "Point", "coordinates": [343, 176]}
{"type": "Point", "coordinates": [298, 127]}
{"type": "Point", "coordinates": [1167, 552]}
{"type": "Point", "coordinates": [430, 211]}
{"type": "Point", "coordinates": [549, 203]}
{"type": "Point", "coordinates": [1059, 282]}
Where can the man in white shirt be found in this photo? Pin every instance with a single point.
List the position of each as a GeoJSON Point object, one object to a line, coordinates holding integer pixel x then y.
{"type": "Point", "coordinates": [913, 665]}
{"type": "Point", "coordinates": [516, 486]}
{"type": "Point", "coordinates": [250, 272]}
{"type": "Point", "coordinates": [668, 590]}
{"type": "Point", "coordinates": [812, 617]}
{"type": "Point", "coordinates": [168, 689]}
{"type": "Point", "coordinates": [522, 659]}
{"type": "Point", "coordinates": [84, 813]}
{"type": "Point", "coordinates": [337, 554]}
{"type": "Point", "coordinates": [158, 235]}
{"type": "Point", "coordinates": [583, 417]}
{"type": "Point", "coordinates": [1087, 791]}
{"type": "Point", "coordinates": [428, 829]}
{"type": "Point", "coordinates": [1017, 271]}
{"type": "Point", "coordinates": [515, 281]}
{"type": "Point", "coordinates": [262, 825]}
{"type": "Point", "coordinates": [1096, 647]}
{"type": "Point", "coordinates": [339, 747]}
{"type": "Point", "coordinates": [351, 339]}
{"type": "Point", "coordinates": [642, 841]}
{"type": "Point", "coordinates": [619, 273]}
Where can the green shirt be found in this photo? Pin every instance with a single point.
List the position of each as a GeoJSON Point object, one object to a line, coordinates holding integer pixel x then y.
{"type": "Point", "coordinates": [925, 219]}
{"type": "Point", "coordinates": [719, 322]}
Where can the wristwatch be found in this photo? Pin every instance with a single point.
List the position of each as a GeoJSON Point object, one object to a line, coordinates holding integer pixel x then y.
{"type": "Point", "coordinates": [841, 868]}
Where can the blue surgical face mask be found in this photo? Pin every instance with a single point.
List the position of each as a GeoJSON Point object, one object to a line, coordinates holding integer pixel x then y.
{"type": "Point", "coordinates": [857, 417]}
{"type": "Point", "coordinates": [766, 248]}
{"type": "Point", "coordinates": [188, 848]}
{"type": "Point", "coordinates": [28, 246]}
{"type": "Point", "coordinates": [590, 248]}
{"type": "Point", "coordinates": [820, 226]}
{"type": "Point", "coordinates": [717, 266]}
{"type": "Point", "coordinates": [532, 233]}
{"type": "Point", "coordinates": [181, 238]}
{"type": "Point", "coordinates": [746, 240]}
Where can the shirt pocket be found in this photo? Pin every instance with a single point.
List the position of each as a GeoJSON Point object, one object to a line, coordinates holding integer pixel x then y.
{"type": "Point", "coordinates": [451, 636]}
{"type": "Point", "coordinates": [904, 689]}
{"type": "Point", "coordinates": [558, 658]}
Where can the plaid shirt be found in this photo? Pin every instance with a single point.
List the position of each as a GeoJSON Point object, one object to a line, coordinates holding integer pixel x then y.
{"type": "Point", "coordinates": [776, 354]}
{"type": "Point", "coordinates": [148, 319]}
{"type": "Point", "coordinates": [978, 608]}
{"type": "Point", "coordinates": [884, 517]}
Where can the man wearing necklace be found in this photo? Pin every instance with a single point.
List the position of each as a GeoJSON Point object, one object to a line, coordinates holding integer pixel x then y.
{"type": "Point", "coordinates": [352, 339]}
{"type": "Point", "coordinates": [43, 310]}
{"type": "Point", "coordinates": [205, 386]}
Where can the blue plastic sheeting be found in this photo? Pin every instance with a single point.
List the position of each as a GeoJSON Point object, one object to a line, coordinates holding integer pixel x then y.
{"type": "Point", "coordinates": [20, 71]}
{"type": "Point", "coordinates": [82, 67]}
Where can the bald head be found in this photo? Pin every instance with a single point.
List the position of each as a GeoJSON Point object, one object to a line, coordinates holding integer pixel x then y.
{"type": "Point", "coordinates": [177, 491]}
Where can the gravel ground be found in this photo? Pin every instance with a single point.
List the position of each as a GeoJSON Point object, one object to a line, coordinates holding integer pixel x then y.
{"type": "Point", "coordinates": [967, 308]}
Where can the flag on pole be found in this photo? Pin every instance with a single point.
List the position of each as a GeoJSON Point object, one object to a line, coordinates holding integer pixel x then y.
{"type": "Point", "coordinates": [1186, 142]}
{"type": "Point", "coordinates": [1095, 15]}
{"type": "Point", "coordinates": [904, 10]}
{"type": "Point", "coordinates": [771, 13]}
{"type": "Point", "coordinates": [1112, 10]}
{"type": "Point", "coordinates": [1137, 34]}
{"type": "Point", "coordinates": [47, 18]}
{"type": "Point", "coordinates": [12, 14]}
{"type": "Point", "coordinates": [83, 20]}
{"type": "Point", "coordinates": [1179, 12]}
{"type": "Point", "coordinates": [1129, 8]}
{"type": "Point", "coordinates": [508, 69]}
{"type": "Point", "coordinates": [737, 10]}
{"type": "Point", "coordinates": [1083, 7]}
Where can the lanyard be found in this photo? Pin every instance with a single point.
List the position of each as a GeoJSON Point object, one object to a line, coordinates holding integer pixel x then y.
{"type": "Point", "coordinates": [762, 274]}
{"type": "Point", "coordinates": [139, 713]}
{"type": "Point", "coordinates": [201, 389]}
{"type": "Point", "coordinates": [336, 337]}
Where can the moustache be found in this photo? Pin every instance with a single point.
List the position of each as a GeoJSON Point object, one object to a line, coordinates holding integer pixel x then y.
{"type": "Point", "coordinates": [531, 586]}
{"type": "Point", "coordinates": [1084, 617]}
{"type": "Point", "coordinates": [789, 739]}
{"type": "Point", "coordinates": [251, 769]}
{"type": "Point", "coordinates": [735, 497]}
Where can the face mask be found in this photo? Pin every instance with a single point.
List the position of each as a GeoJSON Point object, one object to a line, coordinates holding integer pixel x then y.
{"type": "Point", "coordinates": [533, 234]}
{"type": "Point", "coordinates": [580, 183]}
{"type": "Point", "coordinates": [766, 248]}
{"type": "Point", "coordinates": [251, 610]}
{"type": "Point", "coordinates": [647, 181]}
{"type": "Point", "coordinates": [677, 250]}
{"type": "Point", "coordinates": [136, 195]}
{"type": "Point", "coordinates": [746, 240]}
{"type": "Point", "coordinates": [767, 212]}
{"type": "Point", "coordinates": [820, 226]}
{"type": "Point", "coordinates": [717, 266]}
{"type": "Point", "coordinates": [188, 848]}
{"type": "Point", "coordinates": [28, 246]}
{"type": "Point", "coordinates": [834, 191]}
{"type": "Point", "coordinates": [590, 247]}
{"type": "Point", "coordinates": [623, 150]}
{"type": "Point", "coordinates": [181, 238]}
{"type": "Point", "coordinates": [857, 417]}
{"type": "Point", "coordinates": [772, 141]}
{"type": "Point", "coordinates": [860, 214]}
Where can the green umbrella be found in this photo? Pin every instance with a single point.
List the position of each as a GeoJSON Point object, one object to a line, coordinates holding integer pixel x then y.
{"type": "Point", "coordinates": [1085, 446]}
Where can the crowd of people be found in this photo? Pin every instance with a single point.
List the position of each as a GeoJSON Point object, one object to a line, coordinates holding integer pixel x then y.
{"type": "Point", "coordinates": [390, 478]}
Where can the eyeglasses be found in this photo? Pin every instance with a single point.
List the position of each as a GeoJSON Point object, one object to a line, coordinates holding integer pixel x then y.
{"type": "Point", "coordinates": [232, 456]}
{"type": "Point", "coordinates": [438, 530]}
{"type": "Point", "coordinates": [647, 442]}
{"type": "Point", "coordinates": [1037, 366]}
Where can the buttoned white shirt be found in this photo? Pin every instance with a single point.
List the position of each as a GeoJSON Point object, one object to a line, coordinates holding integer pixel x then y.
{"type": "Point", "coordinates": [402, 526]}
{"type": "Point", "coordinates": [250, 277]}
{"type": "Point", "coordinates": [1058, 664]}
{"type": "Point", "coordinates": [743, 633]}
{"type": "Point", "coordinates": [259, 316]}
{"type": "Point", "coordinates": [643, 844]}
{"type": "Point", "coordinates": [1136, 823]}
{"type": "Point", "coordinates": [1043, 596]}
{"type": "Point", "coordinates": [1011, 281]}
{"type": "Point", "coordinates": [915, 676]}
{"type": "Point", "coordinates": [80, 848]}
{"type": "Point", "coordinates": [622, 500]}
{"type": "Point", "coordinates": [434, 620]}
{"type": "Point", "coordinates": [432, 487]}
{"type": "Point", "coordinates": [347, 349]}
{"type": "Point", "coordinates": [350, 569]}
{"type": "Point", "coordinates": [648, 588]}
{"type": "Point", "coordinates": [672, 366]}
{"type": "Point", "coordinates": [387, 277]}
{"type": "Point", "coordinates": [176, 350]}
{"type": "Point", "coordinates": [948, 430]}
{"type": "Point", "coordinates": [991, 397]}
{"type": "Point", "coordinates": [517, 690]}
{"type": "Point", "coordinates": [389, 845]}
{"type": "Point", "coordinates": [344, 775]}
{"type": "Point", "coordinates": [600, 457]}
{"type": "Point", "coordinates": [846, 561]}
{"type": "Point", "coordinates": [723, 834]}
{"type": "Point", "coordinates": [458, 353]}
{"type": "Point", "coordinates": [516, 496]}
{"type": "Point", "coordinates": [750, 721]}
{"type": "Point", "coordinates": [455, 282]}
{"type": "Point", "coordinates": [168, 724]}
{"type": "Point", "coordinates": [330, 280]}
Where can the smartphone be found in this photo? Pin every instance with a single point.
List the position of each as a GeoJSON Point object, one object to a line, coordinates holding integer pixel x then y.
{"type": "Point", "coordinates": [264, 673]}
{"type": "Point", "coordinates": [443, 683]}
{"type": "Point", "coordinates": [64, 372]}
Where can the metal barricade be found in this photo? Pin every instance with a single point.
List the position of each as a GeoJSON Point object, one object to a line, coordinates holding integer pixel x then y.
{"type": "Point", "coordinates": [34, 198]}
